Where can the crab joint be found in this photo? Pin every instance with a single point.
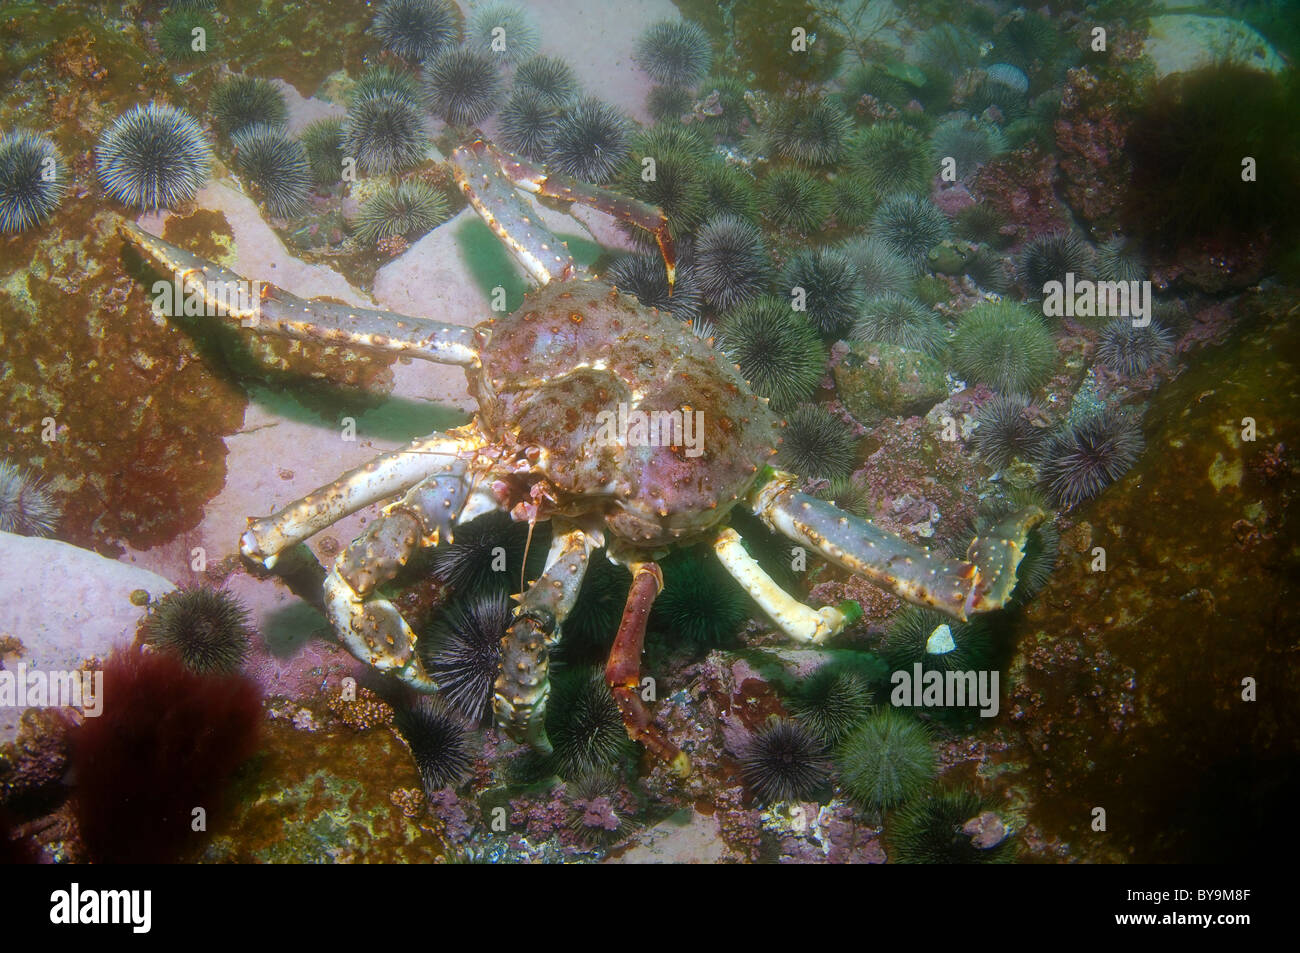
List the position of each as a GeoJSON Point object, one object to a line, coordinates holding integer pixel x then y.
{"type": "Point", "coordinates": [793, 617]}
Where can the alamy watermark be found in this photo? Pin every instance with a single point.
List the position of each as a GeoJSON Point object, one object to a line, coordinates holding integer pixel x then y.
{"type": "Point", "coordinates": [1084, 298]}
{"type": "Point", "coordinates": [59, 689]}
{"type": "Point", "coordinates": [655, 428]}
{"type": "Point", "coordinates": [187, 296]}
{"type": "Point", "coordinates": [936, 689]}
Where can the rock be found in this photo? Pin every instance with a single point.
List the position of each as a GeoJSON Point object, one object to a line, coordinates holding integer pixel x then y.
{"type": "Point", "coordinates": [61, 605]}
{"type": "Point", "coordinates": [882, 380]}
{"type": "Point", "coordinates": [1180, 42]}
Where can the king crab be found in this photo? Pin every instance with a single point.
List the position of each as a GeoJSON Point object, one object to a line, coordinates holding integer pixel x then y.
{"type": "Point", "coordinates": [537, 449]}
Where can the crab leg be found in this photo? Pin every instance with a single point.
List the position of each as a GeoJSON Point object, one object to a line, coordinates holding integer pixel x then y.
{"type": "Point", "coordinates": [623, 670]}
{"type": "Point", "coordinates": [272, 310]}
{"type": "Point", "coordinates": [793, 617]}
{"type": "Point", "coordinates": [379, 479]}
{"type": "Point", "coordinates": [523, 686]}
{"type": "Point", "coordinates": [983, 582]}
{"type": "Point", "coordinates": [486, 174]}
{"type": "Point", "coordinates": [369, 626]}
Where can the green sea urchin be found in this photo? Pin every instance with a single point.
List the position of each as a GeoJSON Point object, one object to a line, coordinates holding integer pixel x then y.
{"type": "Point", "coordinates": [828, 286]}
{"type": "Point", "coordinates": [793, 199]}
{"type": "Point", "coordinates": [417, 30]}
{"type": "Point", "coordinates": [894, 319]}
{"type": "Point", "coordinates": [831, 702]}
{"type": "Point", "coordinates": [937, 642]}
{"type": "Point", "coordinates": [701, 605]}
{"type": "Point", "coordinates": [893, 158]}
{"type": "Point", "coordinates": [33, 180]}
{"type": "Point", "coordinates": [241, 101]}
{"type": "Point", "coordinates": [589, 141]}
{"type": "Point", "coordinates": [778, 352]}
{"type": "Point", "coordinates": [504, 31]}
{"type": "Point", "coordinates": [153, 157]}
{"type": "Point", "coordinates": [384, 133]}
{"type": "Point", "coordinates": [26, 507]}
{"type": "Point", "coordinates": [731, 262]}
{"type": "Point", "coordinates": [674, 51]}
{"type": "Point", "coordinates": [410, 209]}
{"type": "Point", "coordinates": [1050, 257]}
{"type": "Point", "coordinates": [886, 760]}
{"type": "Point", "coordinates": [276, 164]}
{"type": "Point", "coordinates": [584, 725]}
{"type": "Point", "coordinates": [931, 831]}
{"type": "Point", "coordinates": [910, 225]}
{"type": "Point", "coordinates": [549, 77]}
{"type": "Point", "coordinates": [810, 133]}
{"type": "Point", "coordinates": [323, 141]}
{"type": "Point", "coordinates": [1004, 345]}
{"type": "Point", "coordinates": [206, 628]}
{"type": "Point", "coordinates": [463, 85]}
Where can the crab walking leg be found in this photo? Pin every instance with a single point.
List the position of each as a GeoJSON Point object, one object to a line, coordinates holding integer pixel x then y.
{"type": "Point", "coordinates": [523, 680]}
{"type": "Point", "coordinates": [623, 670]}
{"type": "Point", "coordinates": [370, 627]}
{"type": "Point", "coordinates": [270, 310]}
{"type": "Point", "coordinates": [793, 617]}
{"type": "Point", "coordinates": [497, 202]}
{"type": "Point", "coordinates": [981, 583]}
{"type": "Point", "coordinates": [385, 476]}
{"type": "Point", "coordinates": [489, 178]}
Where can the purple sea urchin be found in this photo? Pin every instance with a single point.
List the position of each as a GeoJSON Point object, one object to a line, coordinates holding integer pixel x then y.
{"type": "Point", "coordinates": [438, 740]}
{"type": "Point", "coordinates": [674, 51]}
{"type": "Point", "coordinates": [1005, 430]}
{"type": "Point", "coordinates": [731, 262]}
{"type": "Point", "coordinates": [206, 628]}
{"type": "Point", "coordinates": [589, 141]}
{"type": "Point", "coordinates": [464, 650]}
{"type": "Point", "coordinates": [153, 157]}
{"type": "Point", "coordinates": [464, 86]}
{"type": "Point", "coordinates": [1130, 350]}
{"type": "Point", "coordinates": [33, 180]}
{"type": "Point", "coordinates": [783, 761]}
{"type": "Point", "coordinates": [1050, 257]}
{"type": "Point", "coordinates": [1082, 459]}
{"type": "Point", "coordinates": [417, 30]}
{"type": "Point", "coordinates": [276, 164]}
{"type": "Point", "coordinates": [26, 508]}
{"type": "Point", "coordinates": [778, 352]}
{"type": "Point", "coordinates": [384, 133]}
